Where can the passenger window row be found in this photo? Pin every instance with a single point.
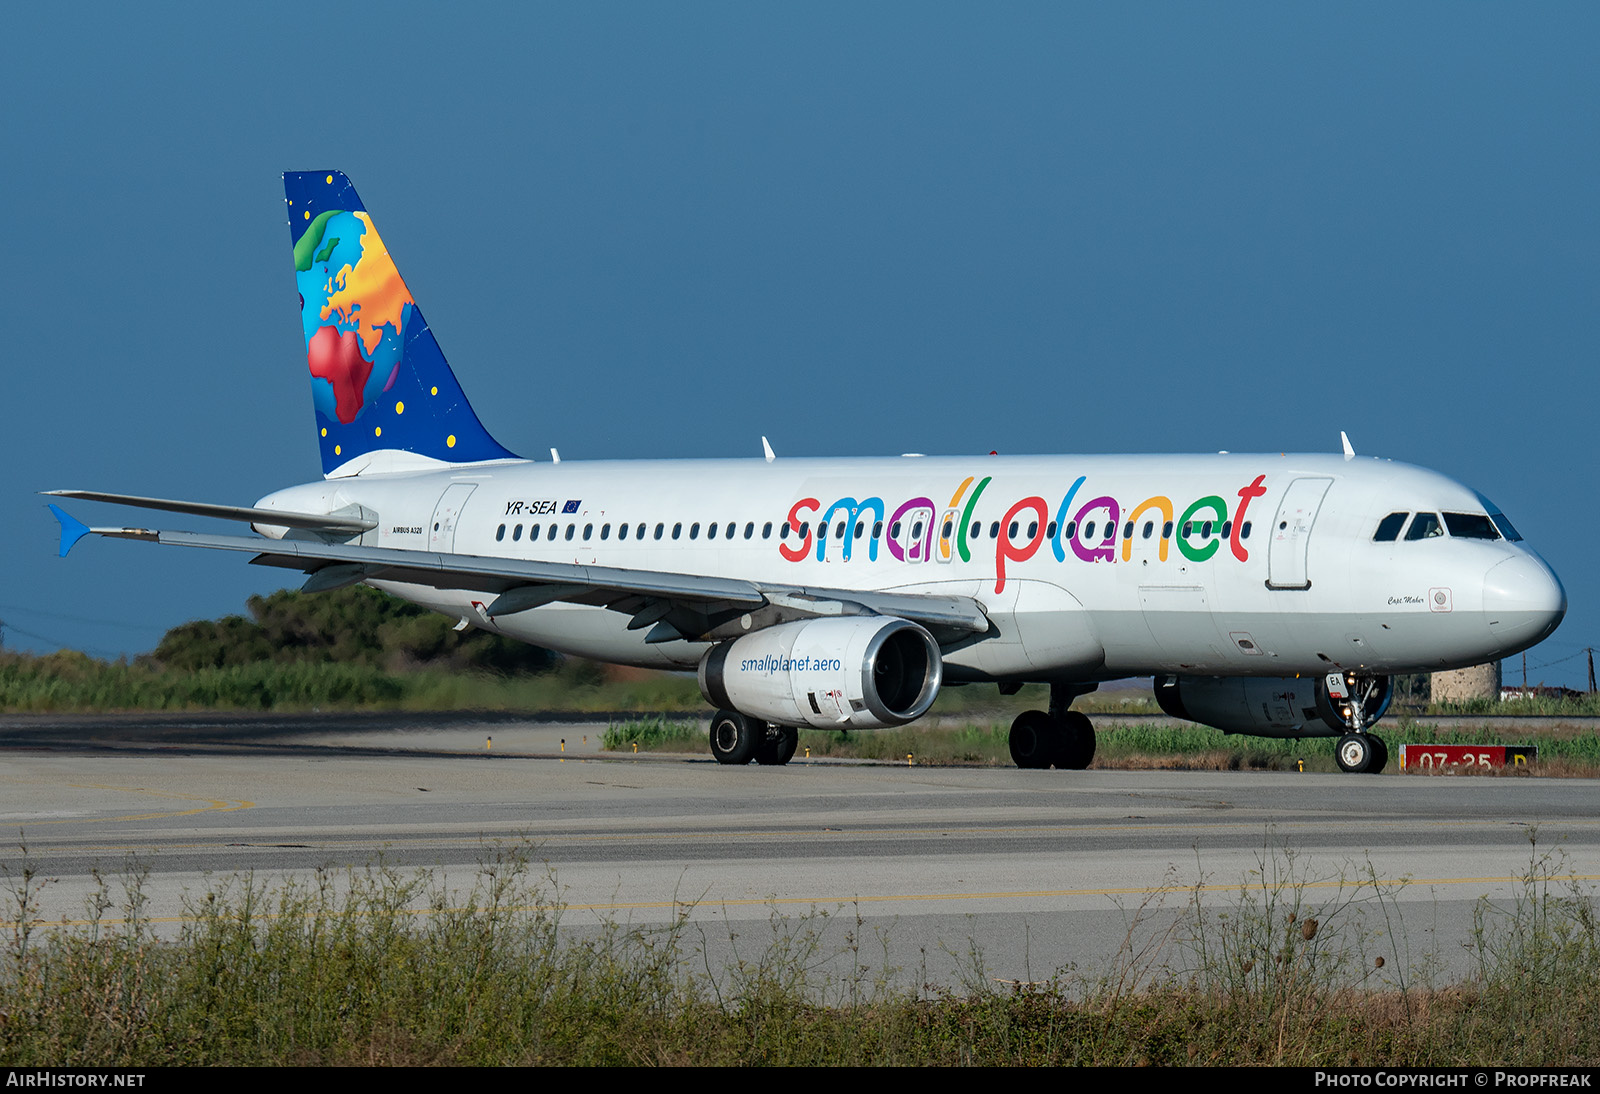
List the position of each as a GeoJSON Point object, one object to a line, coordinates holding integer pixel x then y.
{"type": "Point", "coordinates": [730, 530]}
{"type": "Point", "coordinates": [639, 532]}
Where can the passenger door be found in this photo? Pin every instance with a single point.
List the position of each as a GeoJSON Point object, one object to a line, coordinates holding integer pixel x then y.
{"type": "Point", "coordinates": [447, 514]}
{"type": "Point", "coordinates": [1291, 534]}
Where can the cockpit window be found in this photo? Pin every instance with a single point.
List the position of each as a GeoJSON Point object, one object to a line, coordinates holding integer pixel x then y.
{"type": "Point", "coordinates": [1502, 525]}
{"type": "Point", "coordinates": [1389, 528]}
{"type": "Point", "coordinates": [1425, 526]}
{"type": "Point", "coordinates": [1471, 526]}
{"type": "Point", "coordinates": [1505, 526]}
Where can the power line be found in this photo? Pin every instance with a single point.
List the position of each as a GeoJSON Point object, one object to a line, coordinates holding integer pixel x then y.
{"type": "Point", "coordinates": [23, 608]}
{"type": "Point", "coordinates": [45, 638]}
{"type": "Point", "coordinates": [1562, 660]}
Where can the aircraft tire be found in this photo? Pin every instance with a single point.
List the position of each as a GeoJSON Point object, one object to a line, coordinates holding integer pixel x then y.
{"type": "Point", "coordinates": [733, 737]}
{"type": "Point", "coordinates": [1075, 741]}
{"type": "Point", "coordinates": [788, 743]}
{"type": "Point", "coordinates": [1380, 755]}
{"type": "Point", "coordinates": [1355, 753]}
{"type": "Point", "coordinates": [1033, 740]}
{"type": "Point", "coordinates": [778, 747]}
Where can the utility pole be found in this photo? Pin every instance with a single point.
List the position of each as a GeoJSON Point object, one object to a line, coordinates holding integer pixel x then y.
{"type": "Point", "coordinates": [1590, 651]}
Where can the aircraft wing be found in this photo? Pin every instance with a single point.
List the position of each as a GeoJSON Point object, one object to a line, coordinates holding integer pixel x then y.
{"type": "Point", "coordinates": [674, 606]}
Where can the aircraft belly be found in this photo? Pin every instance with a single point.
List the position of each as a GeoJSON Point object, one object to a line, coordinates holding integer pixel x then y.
{"type": "Point", "coordinates": [1056, 633]}
{"type": "Point", "coordinates": [993, 657]}
{"type": "Point", "coordinates": [1036, 628]}
{"type": "Point", "coordinates": [452, 602]}
{"type": "Point", "coordinates": [1279, 644]}
{"type": "Point", "coordinates": [1000, 653]}
{"type": "Point", "coordinates": [1039, 629]}
{"type": "Point", "coordinates": [1183, 627]}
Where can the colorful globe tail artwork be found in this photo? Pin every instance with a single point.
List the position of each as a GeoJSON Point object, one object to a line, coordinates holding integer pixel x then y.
{"type": "Point", "coordinates": [379, 381]}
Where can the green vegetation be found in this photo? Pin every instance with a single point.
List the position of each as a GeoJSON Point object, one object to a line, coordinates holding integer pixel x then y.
{"type": "Point", "coordinates": [378, 966]}
{"type": "Point", "coordinates": [654, 735]}
{"type": "Point", "coordinates": [71, 681]}
{"type": "Point", "coordinates": [354, 648]}
{"type": "Point", "coordinates": [67, 680]}
{"type": "Point", "coordinates": [1535, 706]}
{"type": "Point", "coordinates": [1167, 745]}
{"type": "Point", "coordinates": [353, 626]}
{"type": "Point", "coordinates": [1566, 749]}
{"type": "Point", "coordinates": [357, 648]}
{"type": "Point", "coordinates": [1565, 743]}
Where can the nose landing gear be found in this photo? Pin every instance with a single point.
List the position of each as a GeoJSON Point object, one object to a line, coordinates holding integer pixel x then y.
{"type": "Point", "coordinates": [1353, 703]}
{"type": "Point", "coordinates": [1361, 753]}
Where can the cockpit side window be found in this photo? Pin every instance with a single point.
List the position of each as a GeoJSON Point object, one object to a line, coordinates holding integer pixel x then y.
{"type": "Point", "coordinates": [1501, 524]}
{"type": "Point", "coordinates": [1389, 528]}
{"type": "Point", "coordinates": [1505, 526]}
{"type": "Point", "coordinates": [1425, 526]}
{"type": "Point", "coordinates": [1471, 526]}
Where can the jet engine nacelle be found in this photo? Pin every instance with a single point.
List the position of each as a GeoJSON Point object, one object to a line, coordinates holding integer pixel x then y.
{"type": "Point", "coordinates": [1295, 706]}
{"type": "Point", "coordinates": [856, 672]}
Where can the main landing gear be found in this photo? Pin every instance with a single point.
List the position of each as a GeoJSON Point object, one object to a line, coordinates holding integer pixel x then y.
{"type": "Point", "coordinates": [1356, 702]}
{"type": "Point", "coordinates": [737, 739]}
{"type": "Point", "coordinates": [1063, 738]}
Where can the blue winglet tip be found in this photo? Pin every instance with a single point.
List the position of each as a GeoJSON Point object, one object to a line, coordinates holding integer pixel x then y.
{"type": "Point", "coordinates": [71, 530]}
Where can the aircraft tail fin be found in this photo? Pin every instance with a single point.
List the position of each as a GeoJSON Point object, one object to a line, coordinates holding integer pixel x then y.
{"type": "Point", "coordinates": [383, 392]}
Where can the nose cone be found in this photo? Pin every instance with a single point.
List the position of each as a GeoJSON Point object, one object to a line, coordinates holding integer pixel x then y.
{"type": "Point", "coordinates": [1523, 601]}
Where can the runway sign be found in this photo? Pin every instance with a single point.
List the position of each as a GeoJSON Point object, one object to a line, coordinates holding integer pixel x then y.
{"type": "Point", "coordinates": [1428, 759]}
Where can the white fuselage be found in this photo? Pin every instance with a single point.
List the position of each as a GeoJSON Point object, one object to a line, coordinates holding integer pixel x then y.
{"type": "Point", "coordinates": [1236, 565]}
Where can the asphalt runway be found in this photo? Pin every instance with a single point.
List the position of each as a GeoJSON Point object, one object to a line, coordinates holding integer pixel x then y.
{"type": "Point", "coordinates": [876, 866]}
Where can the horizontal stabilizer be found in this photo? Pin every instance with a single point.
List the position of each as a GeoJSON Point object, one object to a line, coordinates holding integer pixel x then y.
{"type": "Point", "coordinates": [315, 522]}
{"type": "Point", "coordinates": [71, 530]}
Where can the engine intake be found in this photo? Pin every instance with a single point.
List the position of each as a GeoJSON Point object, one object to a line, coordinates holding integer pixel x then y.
{"type": "Point", "coordinates": [860, 672]}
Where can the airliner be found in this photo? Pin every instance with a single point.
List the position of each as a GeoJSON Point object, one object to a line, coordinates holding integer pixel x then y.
{"type": "Point", "coordinates": [1273, 595]}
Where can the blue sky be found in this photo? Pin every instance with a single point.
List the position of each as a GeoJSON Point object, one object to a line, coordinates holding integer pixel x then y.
{"type": "Point", "coordinates": [664, 230]}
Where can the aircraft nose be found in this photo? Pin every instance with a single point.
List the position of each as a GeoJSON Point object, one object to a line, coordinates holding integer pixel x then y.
{"type": "Point", "coordinates": [1523, 601]}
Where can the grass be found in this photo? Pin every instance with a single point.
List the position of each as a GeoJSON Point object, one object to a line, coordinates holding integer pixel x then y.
{"type": "Point", "coordinates": [1571, 751]}
{"type": "Point", "coordinates": [654, 735]}
{"type": "Point", "coordinates": [1535, 706]}
{"type": "Point", "coordinates": [380, 966]}
{"type": "Point", "coordinates": [69, 681]}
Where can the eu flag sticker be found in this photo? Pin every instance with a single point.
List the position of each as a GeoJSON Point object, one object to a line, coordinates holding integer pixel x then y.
{"type": "Point", "coordinates": [571, 506]}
